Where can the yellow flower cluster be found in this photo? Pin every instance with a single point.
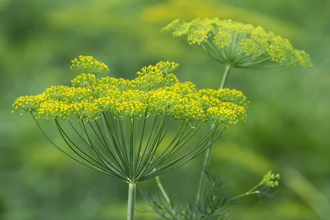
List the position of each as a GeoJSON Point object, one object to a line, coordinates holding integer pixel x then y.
{"type": "Point", "coordinates": [155, 91]}
{"type": "Point", "coordinates": [223, 95]}
{"type": "Point", "coordinates": [89, 65]}
{"type": "Point", "coordinates": [239, 45]}
{"type": "Point", "coordinates": [28, 103]}
{"type": "Point", "coordinates": [157, 76]}
{"type": "Point", "coordinates": [166, 67]}
{"type": "Point", "coordinates": [84, 79]}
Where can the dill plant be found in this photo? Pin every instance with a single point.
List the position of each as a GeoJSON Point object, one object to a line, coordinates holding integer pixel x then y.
{"type": "Point", "coordinates": [118, 126]}
{"type": "Point", "coordinates": [235, 45]}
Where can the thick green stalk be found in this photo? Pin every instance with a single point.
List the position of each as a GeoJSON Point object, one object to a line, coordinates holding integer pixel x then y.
{"type": "Point", "coordinates": [131, 201]}
{"type": "Point", "coordinates": [208, 153]}
{"type": "Point", "coordinates": [224, 78]}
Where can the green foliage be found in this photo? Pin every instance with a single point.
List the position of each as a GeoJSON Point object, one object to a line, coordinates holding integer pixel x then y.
{"type": "Point", "coordinates": [217, 200]}
{"type": "Point", "coordinates": [214, 206]}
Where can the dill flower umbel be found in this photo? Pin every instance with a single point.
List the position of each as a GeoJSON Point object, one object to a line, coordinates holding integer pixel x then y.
{"type": "Point", "coordinates": [239, 45]}
{"type": "Point", "coordinates": [112, 118]}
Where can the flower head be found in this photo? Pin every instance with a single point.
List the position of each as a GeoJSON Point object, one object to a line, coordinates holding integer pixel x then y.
{"type": "Point", "coordinates": [239, 45]}
{"type": "Point", "coordinates": [113, 114]}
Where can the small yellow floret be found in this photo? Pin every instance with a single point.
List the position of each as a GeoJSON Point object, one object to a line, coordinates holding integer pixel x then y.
{"type": "Point", "coordinates": [89, 65]}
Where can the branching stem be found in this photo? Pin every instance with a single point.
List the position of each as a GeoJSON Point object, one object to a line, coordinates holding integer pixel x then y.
{"type": "Point", "coordinates": [208, 153]}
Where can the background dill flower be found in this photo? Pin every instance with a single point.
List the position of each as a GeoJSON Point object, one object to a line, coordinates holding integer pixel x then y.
{"type": "Point", "coordinates": [238, 45]}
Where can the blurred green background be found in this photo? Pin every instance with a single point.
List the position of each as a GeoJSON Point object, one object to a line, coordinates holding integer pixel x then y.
{"type": "Point", "coordinates": [288, 123]}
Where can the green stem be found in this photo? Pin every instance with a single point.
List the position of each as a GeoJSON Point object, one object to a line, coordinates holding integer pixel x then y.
{"type": "Point", "coordinates": [224, 78]}
{"type": "Point", "coordinates": [131, 201]}
{"type": "Point", "coordinates": [161, 188]}
{"type": "Point", "coordinates": [250, 192]}
{"type": "Point", "coordinates": [208, 153]}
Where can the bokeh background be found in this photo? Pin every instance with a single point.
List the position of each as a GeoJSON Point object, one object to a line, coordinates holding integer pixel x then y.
{"type": "Point", "coordinates": [288, 124]}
